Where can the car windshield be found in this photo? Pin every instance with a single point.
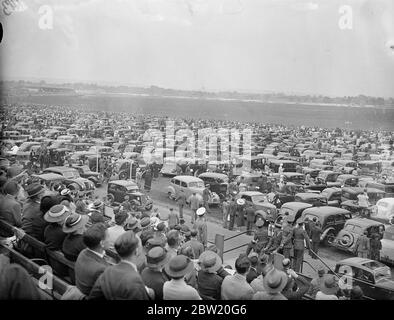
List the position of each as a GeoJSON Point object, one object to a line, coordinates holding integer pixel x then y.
{"type": "Point", "coordinates": [258, 198]}
{"type": "Point", "coordinates": [331, 178]}
{"type": "Point", "coordinates": [71, 174]}
{"type": "Point", "coordinates": [196, 184]}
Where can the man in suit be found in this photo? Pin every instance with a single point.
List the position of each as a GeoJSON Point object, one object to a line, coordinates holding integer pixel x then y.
{"type": "Point", "coordinates": [181, 201]}
{"type": "Point", "coordinates": [90, 263]}
{"type": "Point", "coordinates": [301, 240]}
{"type": "Point", "coordinates": [10, 208]}
{"type": "Point", "coordinates": [122, 281]}
{"type": "Point", "coordinates": [197, 246]}
{"type": "Point", "coordinates": [250, 217]}
{"type": "Point", "coordinates": [287, 239]}
{"type": "Point", "coordinates": [315, 231]}
{"type": "Point", "coordinates": [194, 205]}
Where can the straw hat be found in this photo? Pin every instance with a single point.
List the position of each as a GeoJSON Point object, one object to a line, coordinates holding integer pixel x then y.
{"type": "Point", "coordinates": [241, 202]}
{"type": "Point", "coordinates": [34, 189]}
{"type": "Point", "coordinates": [201, 211]}
{"type": "Point", "coordinates": [56, 213]}
{"type": "Point", "coordinates": [74, 222]}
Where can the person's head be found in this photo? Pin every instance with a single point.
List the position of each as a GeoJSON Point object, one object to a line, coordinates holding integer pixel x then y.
{"type": "Point", "coordinates": [321, 272]}
{"type": "Point", "coordinates": [47, 203]}
{"type": "Point", "coordinates": [11, 188]}
{"type": "Point", "coordinates": [242, 265]}
{"type": "Point", "coordinates": [253, 258]}
{"type": "Point", "coordinates": [173, 238]}
{"type": "Point", "coordinates": [145, 236]}
{"type": "Point", "coordinates": [75, 224]}
{"type": "Point", "coordinates": [126, 245]}
{"type": "Point", "coordinates": [193, 234]}
{"type": "Point", "coordinates": [356, 293]}
{"type": "Point", "coordinates": [121, 218]}
{"type": "Point", "coordinates": [94, 237]}
{"type": "Point", "coordinates": [182, 221]}
{"type": "Point", "coordinates": [365, 232]}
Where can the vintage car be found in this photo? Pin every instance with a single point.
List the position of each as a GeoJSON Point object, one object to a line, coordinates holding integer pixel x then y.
{"type": "Point", "coordinates": [345, 165]}
{"type": "Point", "coordinates": [369, 167]}
{"type": "Point", "coordinates": [218, 182]}
{"type": "Point", "coordinates": [288, 165]}
{"type": "Point", "coordinates": [252, 180]}
{"type": "Point", "coordinates": [384, 211]}
{"type": "Point", "coordinates": [349, 198]}
{"type": "Point", "coordinates": [333, 196]}
{"type": "Point", "coordinates": [188, 185]}
{"type": "Point", "coordinates": [294, 177]}
{"type": "Point", "coordinates": [387, 251]}
{"type": "Point", "coordinates": [322, 164]}
{"type": "Point", "coordinates": [293, 210]}
{"type": "Point", "coordinates": [312, 172]}
{"type": "Point", "coordinates": [118, 189]}
{"type": "Point", "coordinates": [85, 172]}
{"type": "Point", "coordinates": [73, 180]}
{"type": "Point", "coordinates": [49, 179]}
{"type": "Point", "coordinates": [373, 277]}
{"type": "Point", "coordinates": [122, 170]}
{"type": "Point", "coordinates": [259, 202]}
{"type": "Point", "coordinates": [312, 198]}
{"type": "Point", "coordinates": [278, 199]}
{"type": "Point", "coordinates": [58, 155]}
{"type": "Point", "coordinates": [331, 219]}
{"type": "Point", "coordinates": [386, 186]}
{"type": "Point", "coordinates": [346, 239]}
{"type": "Point", "coordinates": [347, 180]}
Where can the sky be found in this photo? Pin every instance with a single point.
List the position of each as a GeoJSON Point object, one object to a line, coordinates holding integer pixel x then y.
{"type": "Point", "coordinates": [291, 46]}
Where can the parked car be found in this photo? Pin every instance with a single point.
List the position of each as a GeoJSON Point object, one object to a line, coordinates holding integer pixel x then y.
{"type": "Point", "coordinates": [373, 277]}
{"type": "Point", "coordinates": [345, 165]}
{"type": "Point", "coordinates": [331, 219]}
{"type": "Point", "coordinates": [121, 170]}
{"type": "Point", "coordinates": [73, 180]}
{"type": "Point", "coordinates": [347, 180]}
{"type": "Point", "coordinates": [218, 182]}
{"type": "Point", "coordinates": [386, 186]}
{"type": "Point", "coordinates": [189, 184]}
{"type": "Point", "coordinates": [293, 210]}
{"type": "Point", "coordinates": [312, 198]}
{"type": "Point", "coordinates": [346, 239]}
{"type": "Point", "coordinates": [252, 180]}
{"type": "Point", "coordinates": [387, 252]}
{"type": "Point", "coordinates": [118, 189]}
{"type": "Point", "coordinates": [312, 172]}
{"type": "Point", "coordinates": [349, 198]}
{"type": "Point", "coordinates": [85, 172]}
{"type": "Point", "coordinates": [280, 198]}
{"type": "Point", "coordinates": [49, 179]}
{"type": "Point", "coordinates": [288, 165]}
{"type": "Point", "coordinates": [384, 211]}
{"type": "Point", "coordinates": [333, 196]}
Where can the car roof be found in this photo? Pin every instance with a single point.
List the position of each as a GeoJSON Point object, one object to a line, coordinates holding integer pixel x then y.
{"type": "Point", "coordinates": [188, 178]}
{"type": "Point", "coordinates": [124, 183]}
{"type": "Point", "coordinates": [59, 169]}
{"type": "Point", "coordinates": [363, 222]}
{"type": "Point", "coordinates": [213, 175]}
{"type": "Point", "coordinates": [292, 174]}
{"type": "Point", "coordinates": [326, 210]}
{"type": "Point", "coordinates": [308, 195]}
{"type": "Point", "coordinates": [355, 261]}
{"type": "Point", "coordinates": [387, 200]}
{"type": "Point", "coordinates": [250, 193]}
{"type": "Point", "coordinates": [296, 205]}
{"type": "Point", "coordinates": [49, 176]}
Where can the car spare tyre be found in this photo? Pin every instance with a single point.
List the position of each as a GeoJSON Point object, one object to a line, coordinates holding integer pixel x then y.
{"type": "Point", "coordinates": [346, 240]}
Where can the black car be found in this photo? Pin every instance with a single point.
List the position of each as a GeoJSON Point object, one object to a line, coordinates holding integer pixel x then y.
{"type": "Point", "coordinates": [85, 172]}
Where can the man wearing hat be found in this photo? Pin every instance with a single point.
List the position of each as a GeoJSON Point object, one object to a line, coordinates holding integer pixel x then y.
{"type": "Point", "coordinates": [316, 283]}
{"type": "Point", "coordinates": [173, 219]}
{"type": "Point", "coordinates": [53, 233]}
{"type": "Point", "coordinates": [177, 289]}
{"type": "Point", "coordinates": [126, 203]}
{"type": "Point", "coordinates": [287, 238]}
{"type": "Point", "coordinates": [194, 205]}
{"type": "Point", "coordinates": [206, 195]}
{"type": "Point", "coordinates": [316, 232]}
{"type": "Point", "coordinates": [118, 229]}
{"type": "Point", "coordinates": [260, 239]}
{"type": "Point", "coordinates": [209, 283]}
{"type": "Point", "coordinates": [235, 287]}
{"type": "Point", "coordinates": [264, 265]}
{"type": "Point", "coordinates": [152, 275]}
{"type": "Point", "coordinates": [146, 224]}
{"type": "Point", "coordinates": [197, 246]}
{"type": "Point", "coordinates": [10, 208]}
{"type": "Point", "coordinates": [74, 226]}
{"type": "Point", "coordinates": [363, 245]}
{"type": "Point", "coordinates": [201, 226]}
{"type": "Point", "coordinates": [31, 209]}
{"type": "Point", "coordinates": [301, 240]}
{"type": "Point", "coordinates": [274, 282]}
{"type": "Point", "coordinates": [181, 201]}
{"type": "Point", "coordinates": [252, 274]}
{"type": "Point", "coordinates": [276, 239]}
{"type": "Point", "coordinates": [232, 210]}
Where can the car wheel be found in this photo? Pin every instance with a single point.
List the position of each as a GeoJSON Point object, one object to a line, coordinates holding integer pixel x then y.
{"type": "Point", "coordinates": [170, 195]}
{"type": "Point", "coordinates": [329, 239]}
{"type": "Point", "coordinates": [346, 240]}
{"type": "Point", "coordinates": [123, 175]}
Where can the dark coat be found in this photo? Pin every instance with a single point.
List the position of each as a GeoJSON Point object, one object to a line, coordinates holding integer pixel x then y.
{"type": "Point", "coordinates": [72, 246]}
{"type": "Point", "coordinates": [209, 284]}
{"type": "Point", "coordinates": [88, 267]}
{"type": "Point", "coordinates": [155, 280]}
{"type": "Point", "coordinates": [10, 212]}
{"type": "Point", "coordinates": [31, 210]}
{"type": "Point", "coordinates": [119, 282]}
{"type": "Point", "coordinates": [315, 232]}
{"type": "Point", "coordinates": [54, 237]}
{"type": "Point", "coordinates": [299, 235]}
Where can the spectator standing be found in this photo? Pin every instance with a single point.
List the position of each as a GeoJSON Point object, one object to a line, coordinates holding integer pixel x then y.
{"type": "Point", "coordinates": [201, 226]}
{"type": "Point", "coordinates": [208, 281]}
{"type": "Point", "coordinates": [274, 282]}
{"type": "Point", "coordinates": [363, 246]}
{"type": "Point", "coordinates": [301, 240]}
{"type": "Point", "coordinates": [181, 201]}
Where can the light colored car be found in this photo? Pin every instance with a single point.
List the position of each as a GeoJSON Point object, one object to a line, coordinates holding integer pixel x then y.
{"type": "Point", "coordinates": [387, 252]}
{"type": "Point", "coordinates": [384, 211]}
{"type": "Point", "coordinates": [188, 185]}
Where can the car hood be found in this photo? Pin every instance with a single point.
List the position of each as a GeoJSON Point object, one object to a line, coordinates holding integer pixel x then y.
{"type": "Point", "coordinates": [386, 284]}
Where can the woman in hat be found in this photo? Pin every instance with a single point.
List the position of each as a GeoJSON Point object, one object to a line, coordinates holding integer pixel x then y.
{"type": "Point", "coordinates": [53, 233]}
{"type": "Point", "coordinates": [209, 283]}
{"type": "Point", "coordinates": [177, 288]}
{"type": "Point", "coordinates": [73, 244]}
{"type": "Point", "coordinates": [152, 275]}
{"type": "Point", "coordinates": [274, 282]}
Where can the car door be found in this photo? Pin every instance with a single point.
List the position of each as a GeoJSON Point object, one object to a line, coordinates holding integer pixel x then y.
{"type": "Point", "coordinates": [365, 280]}
{"type": "Point", "coordinates": [176, 184]}
{"type": "Point", "coordinates": [184, 188]}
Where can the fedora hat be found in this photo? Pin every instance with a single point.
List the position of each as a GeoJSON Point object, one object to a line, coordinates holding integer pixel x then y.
{"type": "Point", "coordinates": [133, 224]}
{"type": "Point", "coordinates": [329, 285]}
{"type": "Point", "coordinates": [34, 189]}
{"type": "Point", "coordinates": [97, 204]}
{"type": "Point", "coordinates": [275, 281]}
{"type": "Point", "coordinates": [145, 222]}
{"type": "Point", "coordinates": [65, 192]}
{"type": "Point", "coordinates": [201, 211]}
{"type": "Point", "coordinates": [240, 202]}
{"type": "Point", "coordinates": [56, 213]}
{"type": "Point", "coordinates": [210, 261]}
{"type": "Point", "coordinates": [157, 257]}
{"type": "Point", "coordinates": [179, 266]}
{"type": "Point", "coordinates": [74, 222]}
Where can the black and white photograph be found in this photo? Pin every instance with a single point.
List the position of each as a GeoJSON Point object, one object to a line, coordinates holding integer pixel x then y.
{"type": "Point", "coordinates": [211, 151]}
